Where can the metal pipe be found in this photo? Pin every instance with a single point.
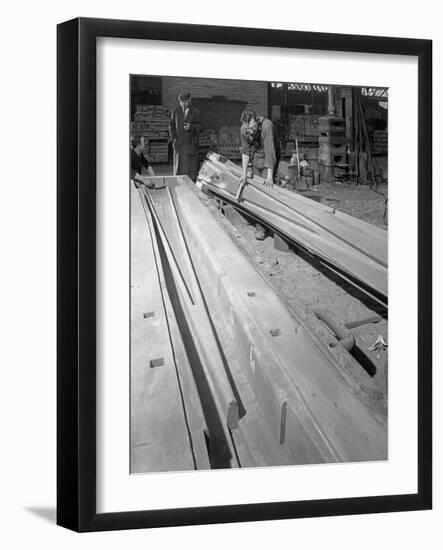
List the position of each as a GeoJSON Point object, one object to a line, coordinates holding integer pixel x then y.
{"type": "Point", "coordinates": [331, 100]}
{"type": "Point", "coordinates": [345, 338]}
{"type": "Point", "coordinates": [365, 321]}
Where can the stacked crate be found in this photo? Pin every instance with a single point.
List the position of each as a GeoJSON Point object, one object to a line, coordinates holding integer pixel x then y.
{"type": "Point", "coordinates": [303, 127]}
{"type": "Point", "coordinates": [152, 122]}
{"type": "Point", "coordinates": [229, 142]}
{"type": "Point", "coordinates": [205, 145]}
{"type": "Point", "coordinates": [332, 150]}
{"type": "Point", "coordinates": [225, 140]}
{"type": "Point", "coordinates": [380, 142]}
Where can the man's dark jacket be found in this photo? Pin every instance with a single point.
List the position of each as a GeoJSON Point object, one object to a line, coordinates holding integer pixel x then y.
{"type": "Point", "coordinates": [185, 142]}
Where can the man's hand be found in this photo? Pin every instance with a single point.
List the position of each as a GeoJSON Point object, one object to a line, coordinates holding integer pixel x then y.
{"type": "Point", "coordinates": [269, 182]}
{"type": "Point", "coordinates": [143, 180]}
{"type": "Point", "coordinates": [149, 183]}
{"type": "Point", "coordinates": [187, 126]}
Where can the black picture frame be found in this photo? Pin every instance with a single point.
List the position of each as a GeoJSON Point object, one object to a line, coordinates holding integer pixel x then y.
{"type": "Point", "coordinates": [76, 267]}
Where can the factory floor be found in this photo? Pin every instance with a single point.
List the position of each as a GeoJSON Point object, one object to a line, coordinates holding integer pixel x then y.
{"type": "Point", "coordinates": [360, 201]}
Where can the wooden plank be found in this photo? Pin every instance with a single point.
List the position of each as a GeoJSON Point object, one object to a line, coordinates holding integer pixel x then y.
{"type": "Point", "coordinates": [331, 249]}
{"type": "Point", "coordinates": [357, 233]}
{"type": "Point", "coordinates": [192, 405]}
{"type": "Point", "coordinates": [337, 240]}
{"type": "Point", "coordinates": [218, 401]}
{"type": "Point", "coordinates": [320, 243]}
{"type": "Point", "coordinates": [159, 434]}
{"type": "Point", "coordinates": [323, 420]}
{"type": "Point", "coordinates": [166, 216]}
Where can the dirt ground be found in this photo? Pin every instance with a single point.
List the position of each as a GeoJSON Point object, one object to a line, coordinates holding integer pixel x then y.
{"type": "Point", "coordinates": [359, 201]}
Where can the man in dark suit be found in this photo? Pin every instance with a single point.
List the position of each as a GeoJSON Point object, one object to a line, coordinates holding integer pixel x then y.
{"type": "Point", "coordinates": [184, 129]}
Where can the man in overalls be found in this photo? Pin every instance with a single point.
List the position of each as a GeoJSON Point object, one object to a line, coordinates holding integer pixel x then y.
{"type": "Point", "coordinates": [260, 147]}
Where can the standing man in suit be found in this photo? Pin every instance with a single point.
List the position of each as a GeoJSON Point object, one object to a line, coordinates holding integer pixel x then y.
{"type": "Point", "coordinates": [184, 129]}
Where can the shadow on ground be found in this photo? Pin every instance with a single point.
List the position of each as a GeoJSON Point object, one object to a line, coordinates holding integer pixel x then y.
{"type": "Point", "coordinates": [48, 514]}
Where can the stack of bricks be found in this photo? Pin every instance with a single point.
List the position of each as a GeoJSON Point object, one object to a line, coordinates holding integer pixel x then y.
{"type": "Point", "coordinates": [249, 93]}
{"type": "Point", "coordinates": [152, 122]}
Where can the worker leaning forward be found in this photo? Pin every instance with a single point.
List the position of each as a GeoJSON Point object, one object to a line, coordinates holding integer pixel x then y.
{"type": "Point", "coordinates": [184, 130]}
{"type": "Point", "coordinates": [260, 147]}
{"type": "Point", "coordinates": [139, 163]}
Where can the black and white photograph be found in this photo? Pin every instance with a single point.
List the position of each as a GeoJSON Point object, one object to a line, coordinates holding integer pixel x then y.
{"type": "Point", "coordinates": [258, 273]}
{"type": "Point", "coordinates": [221, 302]}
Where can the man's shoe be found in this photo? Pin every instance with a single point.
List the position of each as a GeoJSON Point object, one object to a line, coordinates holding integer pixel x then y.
{"type": "Point", "coordinates": [259, 233]}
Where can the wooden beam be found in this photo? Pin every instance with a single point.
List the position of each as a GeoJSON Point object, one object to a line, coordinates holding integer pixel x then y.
{"type": "Point", "coordinates": [355, 247]}
{"type": "Point", "coordinates": [159, 434]}
{"type": "Point", "coordinates": [312, 412]}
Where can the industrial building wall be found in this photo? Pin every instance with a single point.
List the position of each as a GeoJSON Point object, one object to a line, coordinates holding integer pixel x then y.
{"type": "Point", "coordinates": [255, 93]}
